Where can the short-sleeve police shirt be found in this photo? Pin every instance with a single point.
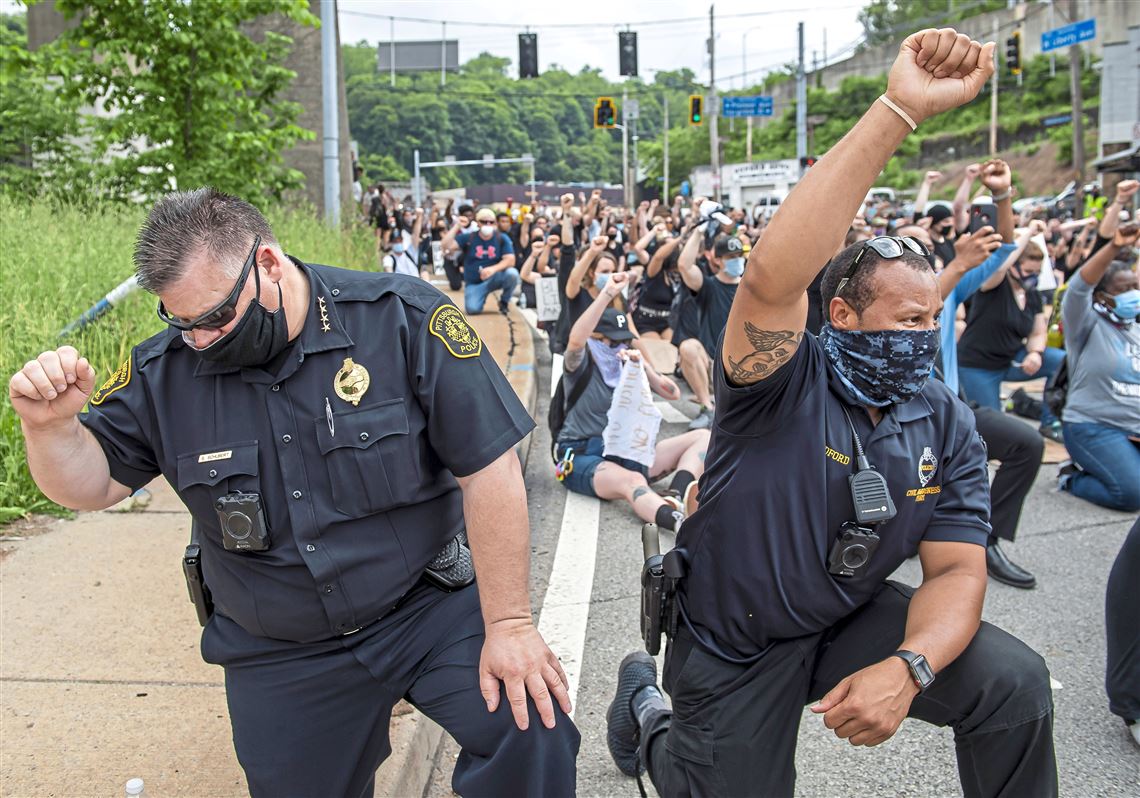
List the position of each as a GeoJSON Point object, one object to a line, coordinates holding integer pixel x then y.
{"type": "Point", "coordinates": [356, 505]}
{"type": "Point", "coordinates": [775, 493]}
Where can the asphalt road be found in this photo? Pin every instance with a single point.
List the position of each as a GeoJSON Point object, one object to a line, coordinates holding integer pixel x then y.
{"type": "Point", "coordinates": [1070, 545]}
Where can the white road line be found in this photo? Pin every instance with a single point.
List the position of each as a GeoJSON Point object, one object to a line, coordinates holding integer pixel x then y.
{"type": "Point", "coordinates": [566, 606]}
{"type": "Point", "coordinates": [670, 414]}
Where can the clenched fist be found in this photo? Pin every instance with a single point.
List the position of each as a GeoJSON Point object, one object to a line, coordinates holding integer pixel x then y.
{"type": "Point", "coordinates": [937, 70]}
{"type": "Point", "coordinates": [51, 389]}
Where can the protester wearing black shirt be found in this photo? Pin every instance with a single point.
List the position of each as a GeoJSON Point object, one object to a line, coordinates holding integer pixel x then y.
{"type": "Point", "coordinates": [657, 292]}
{"type": "Point", "coordinates": [770, 617]}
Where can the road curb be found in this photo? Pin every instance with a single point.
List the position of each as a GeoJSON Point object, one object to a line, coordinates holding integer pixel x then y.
{"type": "Point", "coordinates": [415, 737]}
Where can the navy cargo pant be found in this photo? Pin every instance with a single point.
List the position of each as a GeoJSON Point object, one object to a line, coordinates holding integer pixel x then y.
{"type": "Point", "coordinates": [311, 720]}
{"type": "Point", "coordinates": [733, 728]}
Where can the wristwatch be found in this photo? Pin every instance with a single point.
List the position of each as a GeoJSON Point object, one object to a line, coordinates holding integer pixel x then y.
{"type": "Point", "coordinates": [920, 671]}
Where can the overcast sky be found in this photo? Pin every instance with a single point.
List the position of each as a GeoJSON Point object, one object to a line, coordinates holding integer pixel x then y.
{"type": "Point", "coordinates": [769, 29]}
{"type": "Point", "coordinates": [767, 26]}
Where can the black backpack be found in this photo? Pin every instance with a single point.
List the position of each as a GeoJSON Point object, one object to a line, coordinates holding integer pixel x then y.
{"type": "Point", "coordinates": [1057, 388]}
{"type": "Point", "coordinates": [561, 404]}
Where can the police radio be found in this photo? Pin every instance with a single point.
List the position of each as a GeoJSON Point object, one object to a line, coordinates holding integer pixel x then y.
{"type": "Point", "coordinates": [856, 541]}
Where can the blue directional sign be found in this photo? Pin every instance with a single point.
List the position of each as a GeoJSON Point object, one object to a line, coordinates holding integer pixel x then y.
{"type": "Point", "coordinates": [1076, 33]}
{"type": "Point", "coordinates": [746, 106]}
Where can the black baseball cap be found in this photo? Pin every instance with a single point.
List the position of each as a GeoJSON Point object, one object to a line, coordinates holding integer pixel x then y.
{"type": "Point", "coordinates": [614, 325]}
{"type": "Point", "coordinates": [728, 246]}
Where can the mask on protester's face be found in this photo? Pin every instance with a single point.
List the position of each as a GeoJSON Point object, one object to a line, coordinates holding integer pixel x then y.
{"type": "Point", "coordinates": [621, 226]}
{"type": "Point", "coordinates": [486, 230]}
{"type": "Point", "coordinates": [601, 279]}
{"type": "Point", "coordinates": [256, 339]}
{"type": "Point", "coordinates": [881, 367]}
{"type": "Point", "coordinates": [397, 249]}
{"type": "Point", "coordinates": [1126, 305]}
{"type": "Point", "coordinates": [734, 267]}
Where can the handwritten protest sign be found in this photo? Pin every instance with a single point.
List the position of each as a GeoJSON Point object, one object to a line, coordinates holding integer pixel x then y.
{"type": "Point", "coordinates": [631, 431]}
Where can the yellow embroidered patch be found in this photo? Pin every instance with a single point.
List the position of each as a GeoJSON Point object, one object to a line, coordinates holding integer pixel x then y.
{"type": "Point", "coordinates": [118, 380]}
{"type": "Point", "coordinates": [448, 325]}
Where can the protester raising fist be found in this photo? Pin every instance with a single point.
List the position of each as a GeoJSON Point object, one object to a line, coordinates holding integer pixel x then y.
{"type": "Point", "coordinates": [937, 70]}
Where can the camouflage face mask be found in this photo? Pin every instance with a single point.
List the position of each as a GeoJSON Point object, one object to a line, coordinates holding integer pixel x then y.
{"type": "Point", "coordinates": [881, 367]}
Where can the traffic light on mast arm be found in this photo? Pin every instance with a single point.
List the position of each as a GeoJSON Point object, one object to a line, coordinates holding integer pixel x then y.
{"type": "Point", "coordinates": [605, 112]}
{"type": "Point", "coordinates": [696, 109]}
{"type": "Point", "coordinates": [1013, 53]}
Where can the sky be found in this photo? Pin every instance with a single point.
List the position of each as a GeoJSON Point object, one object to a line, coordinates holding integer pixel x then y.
{"type": "Point", "coordinates": [769, 31]}
{"type": "Point", "coordinates": [671, 33]}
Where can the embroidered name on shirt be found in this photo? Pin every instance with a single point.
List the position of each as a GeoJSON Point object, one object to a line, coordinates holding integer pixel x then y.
{"type": "Point", "coordinates": [212, 456]}
{"type": "Point", "coordinates": [920, 494]}
{"type": "Point", "coordinates": [838, 457]}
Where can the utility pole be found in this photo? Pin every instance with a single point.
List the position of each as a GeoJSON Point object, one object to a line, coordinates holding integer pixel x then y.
{"type": "Point", "coordinates": [330, 118]}
{"type": "Point", "coordinates": [994, 101]}
{"type": "Point", "coordinates": [714, 138]}
{"type": "Point", "coordinates": [392, 50]}
{"type": "Point", "coordinates": [748, 142]}
{"type": "Point", "coordinates": [801, 102]}
{"type": "Point", "coordinates": [665, 156]}
{"type": "Point", "coordinates": [1078, 114]}
{"type": "Point", "coordinates": [443, 54]}
{"type": "Point", "coordinates": [624, 147]}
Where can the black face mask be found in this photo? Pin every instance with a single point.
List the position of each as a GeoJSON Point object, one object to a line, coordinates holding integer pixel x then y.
{"type": "Point", "coordinates": [256, 339]}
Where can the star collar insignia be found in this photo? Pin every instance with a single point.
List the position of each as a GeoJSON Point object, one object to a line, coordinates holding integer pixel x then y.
{"type": "Point", "coordinates": [324, 314]}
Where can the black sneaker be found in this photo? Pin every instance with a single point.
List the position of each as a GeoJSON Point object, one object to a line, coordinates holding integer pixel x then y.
{"type": "Point", "coordinates": [636, 671]}
{"type": "Point", "coordinates": [1052, 431]}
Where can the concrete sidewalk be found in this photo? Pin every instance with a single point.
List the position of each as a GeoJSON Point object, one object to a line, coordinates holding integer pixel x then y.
{"type": "Point", "coordinates": [100, 674]}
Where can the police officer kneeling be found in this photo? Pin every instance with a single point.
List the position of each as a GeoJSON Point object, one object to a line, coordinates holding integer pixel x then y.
{"type": "Point", "coordinates": [318, 423]}
{"type": "Point", "coordinates": [785, 601]}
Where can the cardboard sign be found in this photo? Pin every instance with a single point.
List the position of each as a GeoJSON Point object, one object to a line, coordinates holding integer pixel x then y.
{"type": "Point", "coordinates": [631, 431]}
{"type": "Point", "coordinates": [546, 291]}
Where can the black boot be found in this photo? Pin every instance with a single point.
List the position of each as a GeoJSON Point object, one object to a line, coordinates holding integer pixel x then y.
{"type": "Point", "coordinates": [637, 695]}
{"type": "Point", "coordinates": [1004, 570]}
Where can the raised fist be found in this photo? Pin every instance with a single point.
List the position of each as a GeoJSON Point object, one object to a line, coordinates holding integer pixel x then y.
{"type": "Point", "coordinates": [937, 70]}
{"type": "Point", "coordinates": [53, 388]}
{"type": "Point", "coordinates": [996, 176]}
{"type": "Point", "coordinates": [1125, 189]}
{"type": "Point", "coordinates": [973, 170]}
{"type": "Point", "coordinates": [599, 242]}
{"type": "Point", "coordinates": [567, 200]}
{"type": "Point", "coordinates": [932, 177]}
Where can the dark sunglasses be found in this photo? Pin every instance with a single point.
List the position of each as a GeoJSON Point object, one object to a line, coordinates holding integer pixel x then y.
{"type": "Point", "coordinates": [887, 247]}
{"type": "Point", "coordinates": [222, 314]}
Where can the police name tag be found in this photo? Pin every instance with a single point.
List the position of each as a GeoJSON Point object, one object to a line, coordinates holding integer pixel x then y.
{"type": "Point", "coordinates": [212, 456]}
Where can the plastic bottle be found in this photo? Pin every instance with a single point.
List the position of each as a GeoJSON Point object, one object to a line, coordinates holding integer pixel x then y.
{"type": "Point", "coordinates": [135, 788]}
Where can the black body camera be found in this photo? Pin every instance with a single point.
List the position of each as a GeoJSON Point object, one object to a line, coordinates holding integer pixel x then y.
{"type": "Point", "coordinates": [852, 550]}
{"type": "Point", "coordinates": [242, 522]}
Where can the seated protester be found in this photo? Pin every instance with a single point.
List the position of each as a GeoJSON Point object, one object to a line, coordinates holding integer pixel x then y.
{"type": "Point", "coordinates": [597, 350]}
{"type": "Point", "coordinates": [541, 261]}
{"type": "Point", "coordinates": [1005, 338]}
{"type": "Point", "coordinates": [404, 257]}
{"type": "Point", "coordinates": [781, 601]}
{"type": "Point", "coordinates": [643, 248]}
{"type": "Point", "coordinates": [658, 290]}
{"type": "Point", "coordinates": [1102, 409]}
{"type": "Point", "coordinates": [488, 262]}
{"type": "Point", "coordinates": [588, 277]}
{"type": "Point", "coordinates": [1013, 444]}
{"type": "Point", "coordinates": [714, 294]}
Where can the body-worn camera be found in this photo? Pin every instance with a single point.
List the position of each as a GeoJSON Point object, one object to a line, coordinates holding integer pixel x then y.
{"type": "Point", "coordinates": [853, 549]}
{"type": "Point", "coordinates": [242, 522]}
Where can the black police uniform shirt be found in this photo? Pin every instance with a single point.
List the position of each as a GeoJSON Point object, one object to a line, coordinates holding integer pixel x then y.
{"type": "Point", "coordinates": [356, 505]}
{"type": "Point", "coordinates": [775, 493]}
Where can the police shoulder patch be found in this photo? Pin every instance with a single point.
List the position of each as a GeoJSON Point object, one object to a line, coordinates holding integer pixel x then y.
{"type": "Point", "coordinates": [449, 325]}
{"type": "Point", "coordinates": [118, 380]}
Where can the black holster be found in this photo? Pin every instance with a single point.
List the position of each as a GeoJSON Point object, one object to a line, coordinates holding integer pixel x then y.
{"type": "Point", "coordinates": [192, 569]}
{"type": "Point", "coordinates": [659, 579]}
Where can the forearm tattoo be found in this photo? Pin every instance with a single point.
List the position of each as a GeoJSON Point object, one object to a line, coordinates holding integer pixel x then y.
{"type": "Point", "coordinates": [770, 350]}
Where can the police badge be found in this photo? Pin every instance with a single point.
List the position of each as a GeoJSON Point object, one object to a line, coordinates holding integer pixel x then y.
{"type": "Point", "coordinates": [927, 465]}
{"type": "Point", "coordinates": [351, 382]}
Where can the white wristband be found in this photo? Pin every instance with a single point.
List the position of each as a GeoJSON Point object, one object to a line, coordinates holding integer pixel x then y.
{"type": "Point", "coordinates": [906, 117]}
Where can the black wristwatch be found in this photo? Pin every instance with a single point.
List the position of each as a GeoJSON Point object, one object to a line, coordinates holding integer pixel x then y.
{"type": "Point", "coordinates": [920, 671]}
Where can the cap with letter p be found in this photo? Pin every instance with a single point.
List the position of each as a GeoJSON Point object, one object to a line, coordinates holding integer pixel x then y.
{"type": "Point", "coordinates": [614, 325]}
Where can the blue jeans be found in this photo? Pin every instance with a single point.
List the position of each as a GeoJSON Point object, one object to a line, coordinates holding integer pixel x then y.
{"type": "Point", "coordinates": [1111, 463]}
{"type": "Point", "coordinates": [983, 386]}
{"type": "Point", "coordinates": [587, 458]}
{"type": "Point", "coordinates": [475, 294]}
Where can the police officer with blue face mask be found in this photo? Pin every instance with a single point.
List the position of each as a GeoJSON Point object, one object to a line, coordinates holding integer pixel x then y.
{"type": "Point", "coordinates": [833, 459]}
{"type": "Point", "coordinates": [317, 424]}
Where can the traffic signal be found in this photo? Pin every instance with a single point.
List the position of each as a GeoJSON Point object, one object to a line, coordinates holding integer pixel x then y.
{"type": "Point", "coordinates": [808, 161]}
{"type": "Point", "coordinates": [627, 53]}
{"type": "Point", "coordinates": [1013, 53]}
{"type": "Point", "coordinates": [696, 109]}
{"type": "Point", "coordinates": [528, 55]}
{"type": "Point", "coordinates": [605, 112]}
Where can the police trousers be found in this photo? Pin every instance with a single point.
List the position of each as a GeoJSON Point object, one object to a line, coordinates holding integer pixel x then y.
{"type": "Point", "coordinates": [311, 720]}
{"type": "Point", "coordinates": [1122, 627]}
{"type": "Point", "coordinates": [732, 730]}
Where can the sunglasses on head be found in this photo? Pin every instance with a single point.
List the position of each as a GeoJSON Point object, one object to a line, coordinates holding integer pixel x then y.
{"type": "Point", "coordinates": [887, 247]}
{"type": "Point", "coordinates": [222, 314]}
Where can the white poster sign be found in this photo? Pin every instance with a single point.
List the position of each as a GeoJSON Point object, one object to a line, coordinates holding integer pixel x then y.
{"type": "Point", "coordinates": [546, 290]}
{"type": "Point", "coordinates": [631, 432]}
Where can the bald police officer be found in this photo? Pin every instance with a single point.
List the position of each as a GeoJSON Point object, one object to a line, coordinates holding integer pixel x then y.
{"type": "Point", "coordinates": [317, 422]}
{"type": "Point", "coordinates": [832, 460]}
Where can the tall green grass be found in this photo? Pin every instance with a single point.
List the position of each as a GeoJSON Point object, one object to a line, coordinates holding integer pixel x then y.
{"type": "Point", "coordinates": [56, 262]}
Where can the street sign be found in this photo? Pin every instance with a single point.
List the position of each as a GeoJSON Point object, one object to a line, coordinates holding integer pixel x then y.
{"type": "Point", "coordinates": [746, 106]}
{"type": "Point", "coordinates": [1053, 121]}
{"type": "Point", "coordinates": [632, 109]}
{"type": "Point", "coordinates": [1076, 33]}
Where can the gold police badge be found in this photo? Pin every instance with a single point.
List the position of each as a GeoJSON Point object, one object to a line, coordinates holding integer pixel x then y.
{"type": "Point", "coordinates": [351, 382]}
{"type": "Point", "coordinates": [116, 381]}
{"type": "Point", "coordinates": [448, 325]}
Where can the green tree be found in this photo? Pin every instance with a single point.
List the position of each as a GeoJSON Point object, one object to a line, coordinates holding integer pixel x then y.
{"type": "Point", "coordinates": [185, 96]}
{"type": "Point", "coordinates": [891, 20]}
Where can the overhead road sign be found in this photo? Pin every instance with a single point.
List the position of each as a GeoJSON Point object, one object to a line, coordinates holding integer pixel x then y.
{"type": "Point", "coordinates": [746, 106]}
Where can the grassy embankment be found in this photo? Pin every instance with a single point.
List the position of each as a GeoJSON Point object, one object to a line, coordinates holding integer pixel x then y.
{"type": "Point", "coordinates": [55, 263]}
